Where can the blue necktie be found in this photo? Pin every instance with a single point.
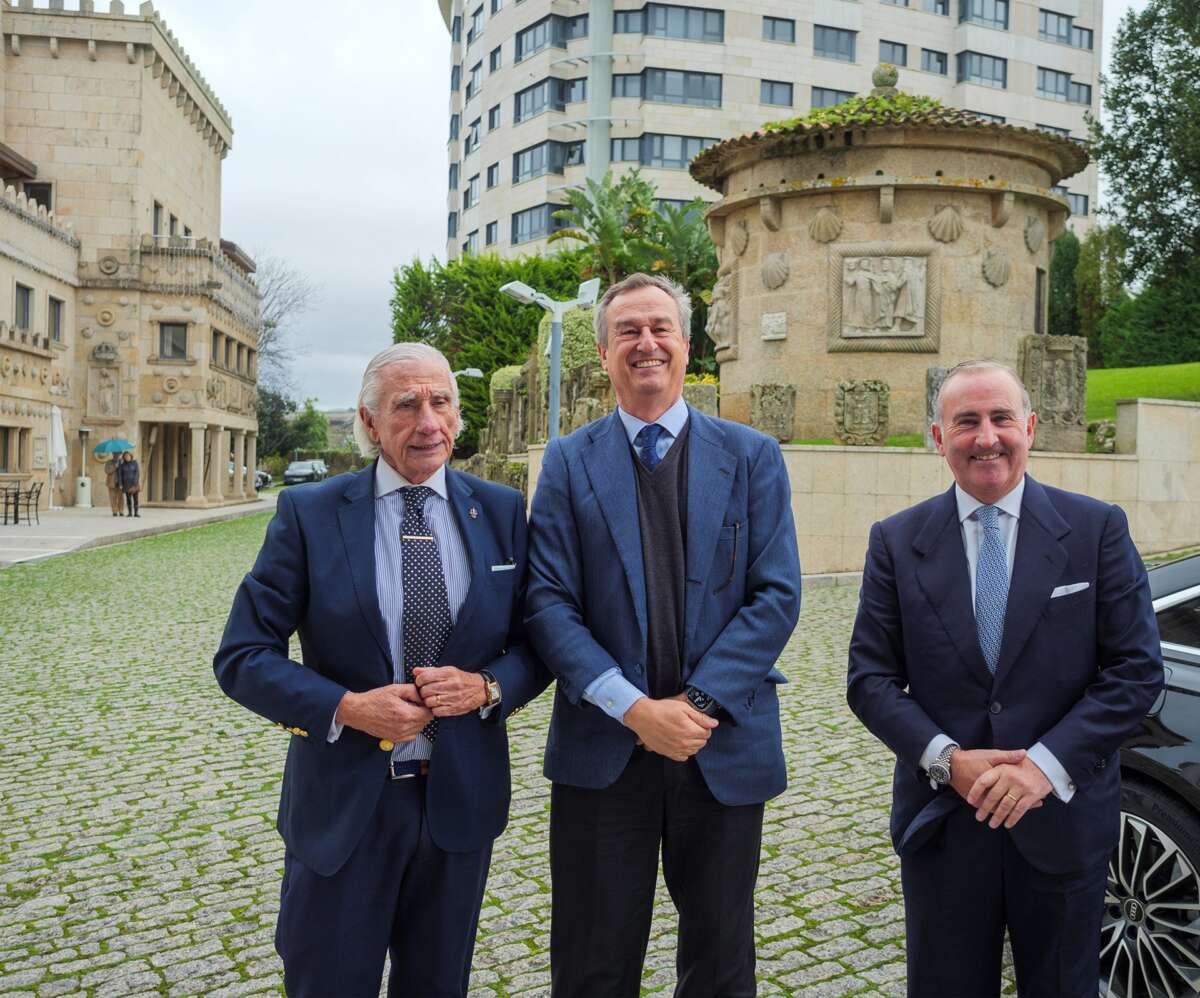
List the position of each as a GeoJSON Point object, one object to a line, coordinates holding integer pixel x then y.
{"type": "Point", "coordinates": [991, 585]}
{"type": "Point", "coordinates": [647, 442]}
{"type": "Point", "coordinates": [426, 606]}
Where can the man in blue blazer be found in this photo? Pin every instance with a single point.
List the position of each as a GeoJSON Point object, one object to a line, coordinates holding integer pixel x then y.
{"type": "Point", "coordinates": [1005, 646]}
{"type": "Point", "coordinates": [404, 582]}
{"type": "Point", "coordinates": [664, 583]}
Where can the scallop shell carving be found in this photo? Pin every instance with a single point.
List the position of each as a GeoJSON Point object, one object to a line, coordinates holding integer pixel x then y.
{"type": "Point", "coordinates": [740, 238]}
{"type": "Point", "coordinates": [946, 224]}
{"type": "Point", "coordinates": [825, 226]}
{"type": "Point", "coordinates": [996, 268]}
{"type": "Point", "coordinates": [775, 270]}
{"type": "Point", "coordinates": [1035, 234]}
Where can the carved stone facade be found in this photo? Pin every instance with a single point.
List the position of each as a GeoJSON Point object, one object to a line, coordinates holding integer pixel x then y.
{"type": "Point", "coordinates": [934, 376]}
{"type": "Point", "coordinates": [701, 397]}
{"type": "Point", "coordinates": [860, 412]}
{"type": "Point", "coordinates": [1054, 369]}
{"type": "Point", "coordinates": [773, 410]}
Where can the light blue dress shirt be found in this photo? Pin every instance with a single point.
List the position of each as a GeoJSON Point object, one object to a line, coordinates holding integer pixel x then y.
{"type": "Point", "coordinates": [611, 691]}
{"type": "Point", "coordinates": [972, 536]}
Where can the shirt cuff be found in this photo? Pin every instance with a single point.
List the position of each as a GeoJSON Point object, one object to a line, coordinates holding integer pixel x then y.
{"type": "Point", "coordinates": [486, 710]}
{"type": "Point", "coordinates": [335, 729]}
{"type": "Point", "coordinates": [936, 744]}
{"type": "Point", "coordinates": [1060, 780]}
{"type": "Point", "coordinates": [613, 694]}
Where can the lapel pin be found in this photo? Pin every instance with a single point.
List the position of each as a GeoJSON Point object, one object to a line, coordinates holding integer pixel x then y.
{"type": "Point", "coordinates": [472, 512]}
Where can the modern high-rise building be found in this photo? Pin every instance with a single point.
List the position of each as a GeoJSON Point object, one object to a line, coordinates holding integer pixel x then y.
{"type": "Point", "coordinates": [546, 93]}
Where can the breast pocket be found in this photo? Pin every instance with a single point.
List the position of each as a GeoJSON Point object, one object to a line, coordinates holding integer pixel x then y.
{"type": "Point", "coordinates": [1071, 603]}
{"type": "Point", "coordinates": [728, 565]}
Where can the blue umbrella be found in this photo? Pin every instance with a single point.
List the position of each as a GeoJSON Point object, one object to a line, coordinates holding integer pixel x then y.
{"type": "Point", "coordinates": [113, 446]}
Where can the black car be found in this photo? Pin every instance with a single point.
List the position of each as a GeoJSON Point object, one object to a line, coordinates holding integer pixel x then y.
{"type": "Point", "coordinates": [304, 471]}
{"type": "Point", "coordinates": [1150, 938]}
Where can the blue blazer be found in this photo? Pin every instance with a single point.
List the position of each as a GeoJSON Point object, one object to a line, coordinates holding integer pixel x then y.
{"type": "Point", "coordinates": [315, 576]}
{"type": "Point", "coordinates": [1076, 672]}
{"type": "Point", "coordinates": [586, 606]}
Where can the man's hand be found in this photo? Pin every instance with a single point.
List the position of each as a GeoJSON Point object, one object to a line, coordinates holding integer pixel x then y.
{"type": "Point", "coordinates": [448, 691]}
{"type": "Point", "coordinates": [1007, 792]}
{"type": "Point", "coordinates": [394, 712]}
{"type": "Point", "coordinates": [967, 765]}
{"type": "Point", "coordinates": [673, 728]}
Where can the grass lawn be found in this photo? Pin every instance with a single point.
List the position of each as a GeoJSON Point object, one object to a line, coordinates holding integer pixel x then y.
{"type": "Point", "coordinates": [1173, 381]}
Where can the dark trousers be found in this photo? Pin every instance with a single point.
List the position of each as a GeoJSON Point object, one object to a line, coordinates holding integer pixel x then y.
{"type": "Point", "coordinates": [604, 847]}
{"type": "Point", "coordinates": [398, 893]}
{"type": "Point", "coordinates": [960, 891]}
{"type": "Point", "coordinates": [131, 502]}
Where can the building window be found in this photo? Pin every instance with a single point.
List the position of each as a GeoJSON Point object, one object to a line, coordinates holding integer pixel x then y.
{"type": "Point", "coordinates": [187, 232]}
{"type": "Point", "coordinates": [626, 150]}
{"type": "Point", "coordinates": [493, 117]}
{"type": "Point", "coordinates": [472, 140]}
{"type": "Point", "coordinates": [672, 152]}
{"type": "Point", "coordinates": [54, 319]}
{"type": "Point", "coordinates": [629, 22]}
{"type": "Point", "coordinates": [677, 86]}
{"type": "Point", "coordinates": [989, 13]}
{"type": "Point", "coordinates": [696, 24]}
{"type": "Point", "coordinates": [476, 28]}
{"type": "Point", "coordinates": [491, 233]}
{"type": "Point", "coordinates": [471, 246]}
{"type": "Point", "coordinates": [39, 193]}
{"type": "Point", "coordinates": [455, 78]}
{"type": "Point", "coordinates": [824, 97]}
{"type": "Point", "coordinates": [158, 218]}
{"type": "Point", "coordinates": [935, 62]}
{"type": "Point", "coordinates": [833, 43]}
{"type": "Point", "coordinates": [494, 59]}
{"type": "Point", "coordinates": [229, 347]}
{"type": "Point", "coordinates": [535, 223]}
{"type": "Point", "coordinates": [1039, 302]}
{"type": "Point", "coordinates": [896, 3]}
{"type": "Point", "coordinates": [1054, 130]}
{"type": "Point", "coordinates": [23, 314]}
{"type": "Point", "coordinates": [476, 81]}
{"type": "Point", "coordinates": [775, 92]}
{"type": "Point", "coordinates": [496, 5]}
{"type": "Point", "coordinates": [554, 29]}
{"type": "Point", "coordinates": [546, 157]}
{"type": "Point", "coordinates": [1059, 86]}
{"type": "Point", "coordinates": [172, 341]}
{"type": "Point", "coordinates": [1055, 27]}
{"type": "Point", "coordinates": [456, 29]}
{"type": "Point", "coordinates": [779, 29]}
{"type": "Point", "coordinates": [627, 84]}
{"type": "Point", "coordinates": [453, 127]}
{"type": "Point", "coordinates": [215, 351]}
{"type": "Point", "coordinates": [174, 225]}
{"type": "Point", "coordinates": [986, 70]}
{"type": "Point", "coordinates": [471, 194]}
{"type": "Point", "coordinates": [573, 27]}
{"type": "Point", "coordinates": [533, 100]}
{"type": "Point", "coordinates": [571, 91]}
{"type": "Point", "coordinates": [493, 175]}
{"type": "Point", "coordinates": [995, 119]}
{"type": "Point", "coordinates": [1078, 202]}
{"type": "Point", "coordinates": [936, 7]}
{"type": "Point", "coordinates": [453, 176]}
{"type": "Point", "coordinates": [8, 450]}
{"type": "Point", "coordinates": [894, 52]}
{"type": "Point", "coordinates": [452, 225]}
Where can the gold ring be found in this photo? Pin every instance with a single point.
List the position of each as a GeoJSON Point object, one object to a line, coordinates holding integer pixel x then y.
{"type": "Point", "coordinates": [1014, 799]}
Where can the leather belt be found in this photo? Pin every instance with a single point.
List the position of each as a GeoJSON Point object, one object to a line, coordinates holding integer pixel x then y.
{"type": "Point", "coordinates": [407, 770]}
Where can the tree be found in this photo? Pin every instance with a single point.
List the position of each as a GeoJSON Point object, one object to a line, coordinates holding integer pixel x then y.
{"type": "Point", "coordinates": [310, 428]}
{"type": "Point", "coordinates": [275, 411]}
{"type": "Point", "coordinates": [1098, 285]}
{"type": "Point", "coordinates": [684, 251]}
{"type": "Point", "coordinates": [286, 294]}
{"type": "Point", "coordinates": [613, 220]}
{"type": "Point", "coordinates": [1159, 325]}
{"type": "Point", "coordinates": [1149, 148]}
{"type": "Point", "coordinates": [1064, 307]}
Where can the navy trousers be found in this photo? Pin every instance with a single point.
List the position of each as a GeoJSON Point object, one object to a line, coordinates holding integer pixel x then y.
{"type": "Point", "coordinates": [398, 893]}
{"type": "Point", "coordinates": [964, 886]}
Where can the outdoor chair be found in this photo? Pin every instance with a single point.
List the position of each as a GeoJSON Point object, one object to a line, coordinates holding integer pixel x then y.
{"type": "Point", "coordinates": [29, 499]}
{"type": "Point", "coordinates": [12, 502]}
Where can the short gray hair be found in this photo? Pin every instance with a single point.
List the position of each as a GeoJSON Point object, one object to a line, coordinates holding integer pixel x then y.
{"type": "Point", "coordinates": [971, 366]}
{"type": "Point", "coordinates": [372, 380]}
{"type": "Point", "coordinates": [633, 282]}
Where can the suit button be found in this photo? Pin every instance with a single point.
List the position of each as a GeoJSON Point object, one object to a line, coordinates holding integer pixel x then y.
{"type": "Point", "coordinates": [1101, 764]}
{"type": "Point", "coordinates": [638, 669]}
{"type": "Point", "coordinates": [994, 707]}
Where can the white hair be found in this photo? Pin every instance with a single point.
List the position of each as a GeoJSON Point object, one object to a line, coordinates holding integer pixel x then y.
{"type": "Point", "coordinates": [970, 367]}
{"type": "Point", "coordinates": [633, 282]}
{"type": "Point", "coordinates": [372, 383]}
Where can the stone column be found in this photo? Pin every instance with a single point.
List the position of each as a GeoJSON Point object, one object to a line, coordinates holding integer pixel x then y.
{"type": "Point", "coordinates": [217, 463]}
{"type": "Point", "coordinates": [239, 458]}
{"type": "Point", "coordinates": [195, 496]}
{"type": "Point", "coordinates": [154, 474]}
{"type": "Point", "coordinates": [251, 464]}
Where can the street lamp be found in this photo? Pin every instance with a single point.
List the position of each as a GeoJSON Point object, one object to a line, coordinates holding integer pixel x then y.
{"type": "Point", "coordinates": [468, 372]}
{"type": "Point", "coordinates": [526, 295]}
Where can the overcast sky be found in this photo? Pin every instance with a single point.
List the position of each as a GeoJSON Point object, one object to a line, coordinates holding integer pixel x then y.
{"type": "Point", "coordinates": [339, 152]}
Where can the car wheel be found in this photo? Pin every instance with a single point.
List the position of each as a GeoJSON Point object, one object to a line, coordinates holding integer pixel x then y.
{"type": "Point", "coordinates": [1150, 932]}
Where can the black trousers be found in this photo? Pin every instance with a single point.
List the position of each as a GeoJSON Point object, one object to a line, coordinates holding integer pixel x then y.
{"type": "Point", "coordinates": [963, 887]}
{"type": "Point", "coordinates": [131, 502]}
{"type": "Point", "coordinates": [604, 848]}
{"type": "Point", "coordinates": [398, 893]}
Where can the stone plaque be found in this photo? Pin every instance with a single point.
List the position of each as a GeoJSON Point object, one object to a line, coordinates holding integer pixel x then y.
{"type": "Point", "coordinates": [934, 376]}
{"type": "Point", "coordinates": [1054, 369]}
{"type": "Point", "coordinates": [40, 451]}
{"type": "Point", "coordinates": [884, 297]}
{"type": "Point", "coordinates": [860, 412]}
{"type": "Point", "coordinates": [774, 326]}
{"type": "Point", "coordinates": [701, 397]}
{"type": "Point", "coordinates": [773, 410]}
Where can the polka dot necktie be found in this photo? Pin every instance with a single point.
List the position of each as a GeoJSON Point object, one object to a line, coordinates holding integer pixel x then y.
{"type": "Point", "coordinates": [426, 607]}
{"type": "Point", "coordinates": [991, 585]}
{"type": "Point", "coordinates": [647, 442]}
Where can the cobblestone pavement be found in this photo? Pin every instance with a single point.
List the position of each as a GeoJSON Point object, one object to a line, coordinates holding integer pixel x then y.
{"type": "Point", "coordinates": [139, 855]}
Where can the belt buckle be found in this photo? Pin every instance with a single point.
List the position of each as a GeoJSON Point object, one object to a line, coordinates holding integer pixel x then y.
{"type": "Point", "coordinates": [392, 774]}
{"type": "Point", "coordinates": [422, 769]}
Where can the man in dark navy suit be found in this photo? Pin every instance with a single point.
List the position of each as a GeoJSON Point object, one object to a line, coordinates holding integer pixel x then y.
{"type": "Point", "coordinates": [1005, 646]}
{"type": "Point", "coordinates": [404, 582]}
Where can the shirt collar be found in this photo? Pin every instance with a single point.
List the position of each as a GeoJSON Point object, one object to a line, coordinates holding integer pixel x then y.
{"type": "Point", "coordinates": [673, 420]}
{"type": "Point", "coordinates": [1010, 504]}
{"type": "Point", "coordinates": [388, 479]}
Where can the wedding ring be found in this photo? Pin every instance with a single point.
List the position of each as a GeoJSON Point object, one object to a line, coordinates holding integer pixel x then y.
{"type": "Point", "coordinates": [1014, 799]}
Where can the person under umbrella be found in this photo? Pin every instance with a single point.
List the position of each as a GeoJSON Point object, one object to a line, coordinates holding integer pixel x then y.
{"type": "Point", "coordinates": [127, 478]}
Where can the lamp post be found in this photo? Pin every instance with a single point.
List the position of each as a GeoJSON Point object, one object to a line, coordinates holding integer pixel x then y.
{"type": "Point", "coordinates": [586, 295]}
{"type": "Point", "coordinates": [468, 372]}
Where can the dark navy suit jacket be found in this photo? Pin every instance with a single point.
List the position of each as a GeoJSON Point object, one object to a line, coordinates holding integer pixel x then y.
{"type": "Point", "coordinates": [315, 576]}
{"type": "Point", "coordinates": [1076, 672]}
{"type": "Point", "coordinates": [586, 607]}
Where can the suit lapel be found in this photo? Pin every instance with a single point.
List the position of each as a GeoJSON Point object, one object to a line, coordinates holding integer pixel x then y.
{"type": "Point", "coordinates": [608, 462]}
{"type": "Point", "coordinates": [461, 498]}
{"type": "Point", "coordinates": [1037, 567]}
{"type": "Point", "coordinates": [356, 519]}
{"type": "Point", "coordinates": [945, 579]}
{"type": "Point", "coordinates": [710, 475]}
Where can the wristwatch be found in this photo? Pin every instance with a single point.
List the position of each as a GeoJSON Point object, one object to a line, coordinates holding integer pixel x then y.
{"type": "Point", "coordinates": [939, 769]}
{"type": "Point", "coordinates": [702, 702]}
{"type": "Point", "coordinates": [492, 686]}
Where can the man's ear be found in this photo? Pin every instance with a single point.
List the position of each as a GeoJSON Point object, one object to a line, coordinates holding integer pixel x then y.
{"type": "Point", "coordinates": [937, 438]}
{"type": "Point", "coordinates": [365, 415]}
{"type": "Point", "coordinates": [603, 352]}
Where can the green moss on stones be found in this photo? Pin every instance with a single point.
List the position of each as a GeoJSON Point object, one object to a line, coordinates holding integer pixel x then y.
{"type": "Point", "coordinates": [874, 110]}
{"type": "Point", "coordinates": [504, 377]}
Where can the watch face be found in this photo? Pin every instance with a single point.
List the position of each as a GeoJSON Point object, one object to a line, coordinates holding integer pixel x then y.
{"type": "Point", "coordinates": [939, 772]}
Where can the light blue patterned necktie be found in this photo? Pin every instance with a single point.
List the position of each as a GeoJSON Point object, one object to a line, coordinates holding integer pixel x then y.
{"type": "Point", "coordinates": [647, 440]}
{"type": "Point", "coordinates": [991, 585]}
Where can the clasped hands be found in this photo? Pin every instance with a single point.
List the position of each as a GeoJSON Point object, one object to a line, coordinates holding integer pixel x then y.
{"type": "Point", "coordinates": [671, 727]}
{"type": "Point", "coordinates": [399, 711]}
{"type": "Point", "coordinates": [1002, 785]}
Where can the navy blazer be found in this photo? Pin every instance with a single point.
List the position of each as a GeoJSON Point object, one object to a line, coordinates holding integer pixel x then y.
{"type": "Point", "coordinates": [586, 606]}
{"type": "Point", "coordinates": [315, 576]}
{"type": "Point", "coordinates": [1076, 672]}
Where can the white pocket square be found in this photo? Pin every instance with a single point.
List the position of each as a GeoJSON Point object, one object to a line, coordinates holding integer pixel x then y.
{"type": "Point", "coordinates": [1066, 590]}
{"type": "Point", "coordinates": [509, 568]}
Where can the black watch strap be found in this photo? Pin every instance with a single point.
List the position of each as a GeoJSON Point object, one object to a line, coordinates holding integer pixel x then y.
{"type": "Point", "coordinates": [701, 701]}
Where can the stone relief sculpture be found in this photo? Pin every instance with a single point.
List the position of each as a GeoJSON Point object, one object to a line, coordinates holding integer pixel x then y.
{"type": "Point", "coordinates": [722, 322]}
{"type": "Point", "coordinates": [105, 353]}
{"type": "Point", "coordinates": [825, 226]}
{"type": "Point", "coordinates": [106, 392]}
{"type": "Point", "coordinates": [1035, 234]}
{"type": "Point", "coordinates": [775, 270]}
{"type": "Point", "coordinates": [1054, 369]}
{"type": "Point", "coordinates": [996, 268]}
{"type": "Point", "coordinates": [701, 396]}
{"type": "Point", "coordinates": [883, 296]}
{"type": "Point", "coordinates": [773, 410]}
{"type": "Point", "coordinates": [946, 224]}
{"type": "Point", "coordinates": [860, 412]}
{"type": "Point", "coordinates": [739, 238]}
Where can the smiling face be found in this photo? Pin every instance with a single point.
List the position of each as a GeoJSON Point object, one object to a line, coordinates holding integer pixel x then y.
{"type": "Point", "coordinates": [416, 420]}
{"type": "Point", "coordinates": [646, 355]}
{"type": "Point", "coordinates": [984, 434]}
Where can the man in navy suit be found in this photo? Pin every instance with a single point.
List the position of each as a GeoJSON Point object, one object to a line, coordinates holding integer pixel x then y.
{"type": "Point", "coordinates": [664, 583]}
{"type": "Point", "coordinates": [404, 582]}
{"type": "Point", "coordinates": [1005, 646]}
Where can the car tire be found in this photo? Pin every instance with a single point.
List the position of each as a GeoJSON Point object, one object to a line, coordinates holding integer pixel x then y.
{"type": "Point", "coordinates": [1148, 942]}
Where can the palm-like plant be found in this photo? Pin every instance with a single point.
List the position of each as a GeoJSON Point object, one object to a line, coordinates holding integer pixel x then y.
{"type": "Point", "coordinates": [613, 220]}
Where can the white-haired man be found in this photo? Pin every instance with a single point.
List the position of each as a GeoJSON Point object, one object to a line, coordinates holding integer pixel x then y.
{"type": "Point", "coordinates": [405, 583]}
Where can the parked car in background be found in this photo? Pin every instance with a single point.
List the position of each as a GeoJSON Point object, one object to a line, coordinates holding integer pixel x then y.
{"type": "Point", "coordinates": [323, 466]}
{"type": "Point", "coordinates": [1150, 937]}
{"type": "Point", "coordinates": [304, 471]}
{"type": "Point", "coordinates": [262, 480]}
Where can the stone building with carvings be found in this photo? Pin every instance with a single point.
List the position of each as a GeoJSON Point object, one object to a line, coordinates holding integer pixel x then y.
{"type": "Point", "coordinates": [120, 303]}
